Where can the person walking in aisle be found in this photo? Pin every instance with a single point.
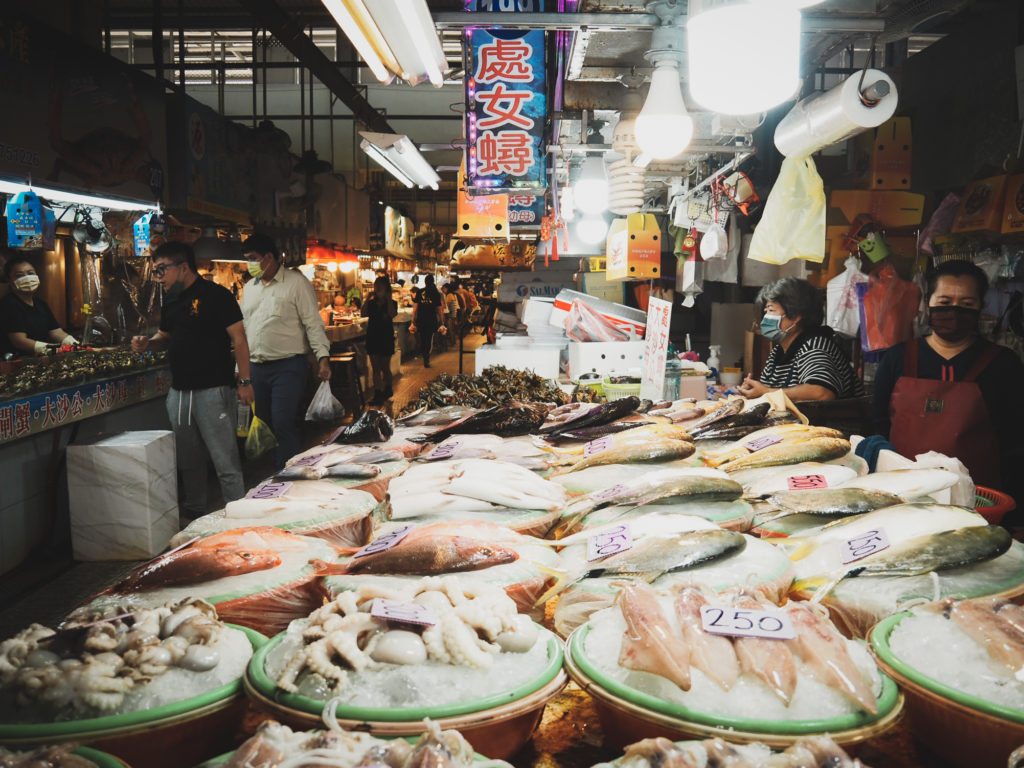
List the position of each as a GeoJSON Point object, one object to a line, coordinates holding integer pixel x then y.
{"type": "Point", "coordinates": [427, 317]}
{"type": "Point", "coordinates": [380, 309]}
{"type": "Point", "coordinates": [282, 324]}
{"type": "Point", "coordinates": [453, 315]}
{"type": "Point", "coordinates": [199, 324]}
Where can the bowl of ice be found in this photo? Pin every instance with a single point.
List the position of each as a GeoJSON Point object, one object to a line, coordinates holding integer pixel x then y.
{"type": "Point", "coordinates": [656, 669]}
{"type": "Point", "coordinates": [959, 663]}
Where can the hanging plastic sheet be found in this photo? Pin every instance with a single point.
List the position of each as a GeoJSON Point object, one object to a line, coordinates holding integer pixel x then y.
{"type": "Point", "coordinates": [888, 309]}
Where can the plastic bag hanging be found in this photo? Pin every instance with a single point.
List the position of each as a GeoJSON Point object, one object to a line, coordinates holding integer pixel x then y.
{"type": "Point", "coordinates": [842, 305]}
{"type": "Point", "coordinates": [324, 405]}
{"type": "Point", "coordinates": [793, 223]}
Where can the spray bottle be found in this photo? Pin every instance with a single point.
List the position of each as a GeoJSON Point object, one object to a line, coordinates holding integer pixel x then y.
{"type": "Point", "coordinates": [713, 362]}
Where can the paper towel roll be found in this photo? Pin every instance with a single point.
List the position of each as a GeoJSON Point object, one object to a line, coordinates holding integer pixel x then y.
{"type": "Point", "coordinates": [834, 116]}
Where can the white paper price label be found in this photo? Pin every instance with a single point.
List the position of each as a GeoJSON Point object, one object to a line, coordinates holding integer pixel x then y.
{"type": "Point", "coordinates": [762, 442]}
{"type": "Point", "coordinates": [610, 541]}
{"type": "Point", "coordinates": [269, 491]}
{"type": "Point", "coordinates": [408, 613]}
{"type": "Point", "coordinates": [445, 451]}
{"type": "Point", "coordinates": [806, 482]}
{"type": "Point", "coordinates": [863, 545]}
{"type": "Point", "coordinates": [336, 434]}
{"type": "Point", "coordinates": [596, 446]}
{"type": "Point", "coordinates": [746, 622]}
{"type": "Point", "coordinates": [308, 461]}
{"type": "Point", "coordinates": [385, 542]}
{"type": "Point", "coordinates": [609, 493]}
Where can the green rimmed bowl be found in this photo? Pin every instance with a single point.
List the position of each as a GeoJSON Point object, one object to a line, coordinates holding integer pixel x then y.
{"type": "Point", "coordinates": [102, 759]}
{"type": "Point", "coordinates": [181, 733]}
{"type": "Point", "coordinates": [628, 715]}
{"type": "Point", "coordinates": [498, 725]}
{"type": "Point", "coordinates": [942, 717]}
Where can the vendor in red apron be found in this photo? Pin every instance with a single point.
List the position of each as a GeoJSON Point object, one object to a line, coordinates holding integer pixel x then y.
{"type": "Point", "coordinates": [955, 392]}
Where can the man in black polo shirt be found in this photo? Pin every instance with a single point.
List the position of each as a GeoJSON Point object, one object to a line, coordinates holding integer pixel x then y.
{"type": "Point", "coordinates": [199, 324]}
{"type": "Point", "coordinates": [26, 321]}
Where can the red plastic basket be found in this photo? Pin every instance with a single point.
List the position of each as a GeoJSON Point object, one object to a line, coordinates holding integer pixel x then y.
{"type": "Point", "coordinates": [991, 504]}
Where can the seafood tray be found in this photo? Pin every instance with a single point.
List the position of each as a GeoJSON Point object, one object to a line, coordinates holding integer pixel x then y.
{"type": "Point", "coordinates": [30, 375]}
{"type": "Point", "coordinates": [62, 756]}
{"type": "Point", "coordinates": [495, 386]}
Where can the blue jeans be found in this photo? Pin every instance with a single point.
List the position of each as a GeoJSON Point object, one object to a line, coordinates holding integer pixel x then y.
{"type": "Point", "coordinates": [280, 386]}
{"type": "Point", "coordinates": [204, 421]}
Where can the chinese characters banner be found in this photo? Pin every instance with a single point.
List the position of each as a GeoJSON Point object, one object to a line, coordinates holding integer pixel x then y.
{"type": "Point", "coordinates": [505, 110]}
{"type": "Point", "coordinates": [525, 209]}
{"type": "Point", "coordinates": [659, 316]}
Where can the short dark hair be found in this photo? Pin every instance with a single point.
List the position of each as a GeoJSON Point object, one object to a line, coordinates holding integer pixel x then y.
{"type": "Point", "coordinates": [428, 280]}
{"type": "Point", "coordinates": [175, 250]}
{"type": "Point", "coordinates": [796, 297]}
{"type": "Point", "coordinates": [15, 257]}
{"type": "Point", "coordinates": [957, 268]}
{"type": "Point", "coordinates": [258, 242]}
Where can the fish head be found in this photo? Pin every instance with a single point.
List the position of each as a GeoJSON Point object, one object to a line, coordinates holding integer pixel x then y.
{"type": "Point", "coordinates": [256, 560]}
{"type": "Point", "coordinates": [483, 554]}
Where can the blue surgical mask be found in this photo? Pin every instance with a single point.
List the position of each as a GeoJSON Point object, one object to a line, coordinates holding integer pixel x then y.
{"type": "Point", "coordinates": [771, 328]}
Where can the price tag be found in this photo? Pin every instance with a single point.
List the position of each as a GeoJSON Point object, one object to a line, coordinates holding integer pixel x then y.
{"type": "Point", "coordinates": [308, 461]}
{"type": "Point", "coordinates": [610, 541]}
{"type": "Point", "coordinates": [595, 446]}
{"type": "Point", "coordinates": [806, 482]}
{"type": "Point", "coordinates": [746, 622]}
{"type": "Point", "coordinates": [407, 613]}
{"type": "Point", "coordinates": [863, 545]}
{"type": "Point", "coordinates": [762, 442]}
{"type": "Point", "coordinates": [445, 451]}
{"type": "Point", "coordinates": [609, 493]}
{"type": "Point", "coordinates": [336, 434]}
{"type": "Point", "coordinates": [385, 542]}
{"type": "Point", "coordinates": [269, 491]}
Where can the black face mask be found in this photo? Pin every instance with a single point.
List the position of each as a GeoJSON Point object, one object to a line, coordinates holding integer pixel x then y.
{"type": "Point", "coordinates": [952, 323]}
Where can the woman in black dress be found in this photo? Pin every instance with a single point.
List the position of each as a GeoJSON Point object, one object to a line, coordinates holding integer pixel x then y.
{"type": "Point", "coordinates": [427, 317]}
{"type": "Point", "coordinates": [380, 309]}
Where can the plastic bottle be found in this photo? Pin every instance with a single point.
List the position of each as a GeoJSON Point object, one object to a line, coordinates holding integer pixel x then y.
{"type": "Point", "coordinates": [713, 362]}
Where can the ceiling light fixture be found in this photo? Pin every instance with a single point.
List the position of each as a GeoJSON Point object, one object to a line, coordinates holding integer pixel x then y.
{"type": "Point", "coordinates": [663, 127]}
{"type": "Point", "coordinates": [744, 57]}
{"type": "Point", "coordinates": [61, 198]}
{"type": "Point", "coordinates": [590, 193]}
{"type": "Point", "coordinates": [394, 37]}
{"type": "Point", "coordinates": [400, 157]}
{"type": "Point", "coordinates": [592, 229]}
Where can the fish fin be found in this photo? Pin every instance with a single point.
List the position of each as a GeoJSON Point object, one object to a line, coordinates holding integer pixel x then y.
{"type": "Point", "coordinates": [803, 550]}
{"type": "Point", "coordinates": [821, 592]}
{"type": "Point", "coordinates": [323, 568]}
{"type": "Point", "coordinates": [562, 582]}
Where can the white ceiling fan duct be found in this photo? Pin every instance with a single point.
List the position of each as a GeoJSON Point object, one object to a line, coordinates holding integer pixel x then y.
{"type": "Point", "coordinates": [625, 181]}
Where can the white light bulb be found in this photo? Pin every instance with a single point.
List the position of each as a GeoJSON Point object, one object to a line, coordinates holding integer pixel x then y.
{"type": "Point", "coordinates": [590, 192]}
{"type": "Point", "coordinates": [592, 230]}
{"type": "Point", "coordinates": [332, 266]}
{"type": "Point", "coordinates": [744, 58]}
{"type": "Point", "coordinates": [663, 128]}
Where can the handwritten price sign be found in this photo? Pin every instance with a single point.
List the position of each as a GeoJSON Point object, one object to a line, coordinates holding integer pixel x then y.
{"type": "Point", "coordinates": [806, 482]}
{"type": "Point", "coordinates": [746, 622]}
{"type": "Point", "coordinates": [596, 446]}
{"type": "Point", "coordinates": [863, 545]}
{"type": "Point", "coordinates": [609, 493]}
{"type": "Point", "coordinates": [762, 442]}
{"type": "Point", "coordinates": [407, 613]}
{"type": "Point", "coordinates": [308, 461]}
{"type": "Point", "coordinates": [609, 542]}
{"type": "Point", "coordinates": [445, 451]}
{"type": "Point", "coordinates": [385, 542]}
{"type": "Point", "coordinates": [269, 491]}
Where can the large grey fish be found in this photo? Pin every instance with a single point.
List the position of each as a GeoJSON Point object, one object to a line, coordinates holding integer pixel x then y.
{"type": "Point", "coordinates": [602, 414]}
{"type": "Point", "coordinates": [936, 552]}
{"type": "Point", "coordinates": [592, 433]}
{"type": "Point", "coordinates": [731, 408]}
{"type": "Point", "coordinates": [750, 416]}
{"type": "Point", "coordinates": [653, 556]}
{"type": "Point", "coordinates": [829, 502]}
{"type": "Point", "coordinates": [791, 452]}
{"type": "Point", "coordinates": [508, 420]}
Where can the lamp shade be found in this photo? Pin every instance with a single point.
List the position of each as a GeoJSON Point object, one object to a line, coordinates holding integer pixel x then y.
{"type": "Point", "coordinates": [590, 192]}
{"type": "Point", "coordinates": [663, 127]}
{"type": "Point", "coordinates": [744, 57]}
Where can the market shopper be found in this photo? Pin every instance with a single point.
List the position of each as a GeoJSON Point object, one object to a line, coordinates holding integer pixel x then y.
{"type": "Point", "coordinates": [26, 321]}
{"type": "Point", "coordinates": [199, 324]}
{"type": "Point", "coordinates": [805, 361]}
{"type": "Point", "coordinates": [380, 310]}
{"type": "Point", "coordinates": [453, 314]}
{"type": "Point", "coordinates": [427, 317]}
{"type": "Point", "coordinates": [953, 391]}
{"type": "Point", "coordinates": [283, 325]}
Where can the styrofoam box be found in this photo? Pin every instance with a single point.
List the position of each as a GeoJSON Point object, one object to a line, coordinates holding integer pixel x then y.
{"type": "Point", "coordinates": [604, 357]}
{"type": "Point", "coordinates": [542, 360]}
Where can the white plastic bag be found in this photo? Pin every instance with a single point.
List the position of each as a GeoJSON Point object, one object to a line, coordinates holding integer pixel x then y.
{"type": "Point", "coordinates": [842, 307]}
{"type": "Point", "coordinates": [793, 223]}
{"type": "Point", "coordinates": [324, 406]}
{"type": "Point", "coordinates": [584, 323]}
{"type": "Point", "coordinates": [715, 243]}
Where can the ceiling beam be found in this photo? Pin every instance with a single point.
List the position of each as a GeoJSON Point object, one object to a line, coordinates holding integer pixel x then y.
{"type": "Point", "coordinates": [267, 13]}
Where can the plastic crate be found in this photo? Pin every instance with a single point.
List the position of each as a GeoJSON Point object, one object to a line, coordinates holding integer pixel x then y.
{"type": "Point", "coordinates": [619, 391]}
{"type": "Point", "coordinates": [991, 504]}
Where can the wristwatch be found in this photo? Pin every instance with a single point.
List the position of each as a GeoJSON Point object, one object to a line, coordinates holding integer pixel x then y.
{"type": "Point", "coordinates": [245, 382]}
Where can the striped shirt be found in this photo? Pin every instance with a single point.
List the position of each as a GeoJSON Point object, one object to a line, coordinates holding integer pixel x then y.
{"type": "Point", "coordinates": [814, 358]}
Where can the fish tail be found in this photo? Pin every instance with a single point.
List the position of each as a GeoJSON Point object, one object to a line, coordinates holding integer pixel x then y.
{"type": "Point", "coordinates": [802, 551]}
{"type": "Point", "coordinates": [823, 591]}
{"type": "Point", "coordinates": [323, 568]}
{"type": "Point", "coordinates": [562, 582]}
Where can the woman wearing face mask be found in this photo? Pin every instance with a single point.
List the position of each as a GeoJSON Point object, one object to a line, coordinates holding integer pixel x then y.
{"type": "Point", "coordinates": [805, 360]}
{"type": "Point", "coordinates": [953, 391]}
{"type": "Point", "coordinates": [27, 322]}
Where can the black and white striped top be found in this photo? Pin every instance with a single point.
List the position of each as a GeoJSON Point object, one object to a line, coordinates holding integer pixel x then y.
{"type": "Point", "coordinates": [814, 358]}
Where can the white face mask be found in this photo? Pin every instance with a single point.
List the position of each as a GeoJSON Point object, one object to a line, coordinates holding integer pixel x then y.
{"type": "Point", "coordinates": [27, 283]}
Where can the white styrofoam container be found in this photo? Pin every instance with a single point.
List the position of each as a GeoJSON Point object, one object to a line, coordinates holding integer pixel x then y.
{"type": "Point", "coordinates": [604, 357]}
{"type": "Point", "coordinates": [537, 310]}
{"type": "Point", "coordinates": [542, 360]}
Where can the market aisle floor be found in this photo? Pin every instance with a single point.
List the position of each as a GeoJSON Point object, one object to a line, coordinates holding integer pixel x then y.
{"type": "Point", "coordinates": [50, 585]}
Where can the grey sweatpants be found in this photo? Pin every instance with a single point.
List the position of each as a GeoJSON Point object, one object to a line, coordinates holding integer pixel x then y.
{"type": "Point", "coordinates": [204, 422]}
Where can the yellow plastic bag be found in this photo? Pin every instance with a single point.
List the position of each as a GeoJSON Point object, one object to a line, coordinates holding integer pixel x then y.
{"type": "Point", "coordinates": [793, 223]}
{"type": "Point", "coordinates": [260, 439]}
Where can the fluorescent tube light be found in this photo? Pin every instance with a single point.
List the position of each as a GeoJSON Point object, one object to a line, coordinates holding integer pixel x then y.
{"type": "Point", "coordinates": [385, 163]}
{"type": "Point", "coordinates": [400, 157]}
{"type": "Point", "coordinates": [353, 18]}
{"type": "Point", "coordinates": [74, 198]}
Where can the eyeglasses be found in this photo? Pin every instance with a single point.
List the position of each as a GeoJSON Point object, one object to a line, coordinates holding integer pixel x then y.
{"type": "Point", "coordinates": [159, 269]}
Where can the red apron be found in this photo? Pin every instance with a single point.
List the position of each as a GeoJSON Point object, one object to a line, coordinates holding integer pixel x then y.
{"type": "Point", "coordinates": [945, 416]}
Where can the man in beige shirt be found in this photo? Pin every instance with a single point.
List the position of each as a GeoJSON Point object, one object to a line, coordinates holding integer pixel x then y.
{"type": "Point", "coordinates": [282, 324]}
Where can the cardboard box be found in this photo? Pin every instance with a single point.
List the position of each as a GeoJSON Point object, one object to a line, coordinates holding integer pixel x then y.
{"type": "Point", "coordinates": [889, 208]}
{"type": "Point", "coordinates": [981, 208]}
{"type": "Point", "coordinates": [631, 320]}
{"type": "Point", "coordinates": [604, 357]}
{"type": "Point", "coordinates": [633, 248]}
{"type": "Point", "coordinates": [1013, 205]}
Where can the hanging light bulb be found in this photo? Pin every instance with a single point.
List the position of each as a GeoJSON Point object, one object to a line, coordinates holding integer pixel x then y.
{"type": "Point", "coordinates": [590, 192]}
{"type": "Point", "coordinates": [592, 229]}
{"type": "Point", "coordinates": [744, 57]}
{"type": "Point", "coordinates": [663, 128]}
{"type": "Point", "coordinates": [332, 266]}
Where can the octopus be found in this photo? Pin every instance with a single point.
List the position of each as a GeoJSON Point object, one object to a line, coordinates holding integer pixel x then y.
{"type": "Point", "coordinates": [58, 757]}
{"type": "Point", "coordinates": [470, 627]}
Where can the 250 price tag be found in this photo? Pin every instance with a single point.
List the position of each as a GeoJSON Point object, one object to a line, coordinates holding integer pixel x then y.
{"type": "Point", "coordinates": [385, 542]}
{"type": "Point", "coordinates": [445, 451]}
{"type": "Point", "coordinates": [409, 613]}
{"type": "Point", "coordinates": [596, 446]}
{"type": "Point", "coordinates": [762, 442]}
{"type": "Point", "coordinates": [806, 482]}
{"type": "Point", "coordinates": [269, 491]}
{"type": "Point", "coordinates": [610, 541]}
{"type": "Point", "coordinates": [746, 622]}
{"type": "Point", "coordinates": [863, 545]}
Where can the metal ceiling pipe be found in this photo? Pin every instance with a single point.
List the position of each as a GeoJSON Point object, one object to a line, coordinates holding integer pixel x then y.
{"type": "Point", "coordinates": [270, 15]}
